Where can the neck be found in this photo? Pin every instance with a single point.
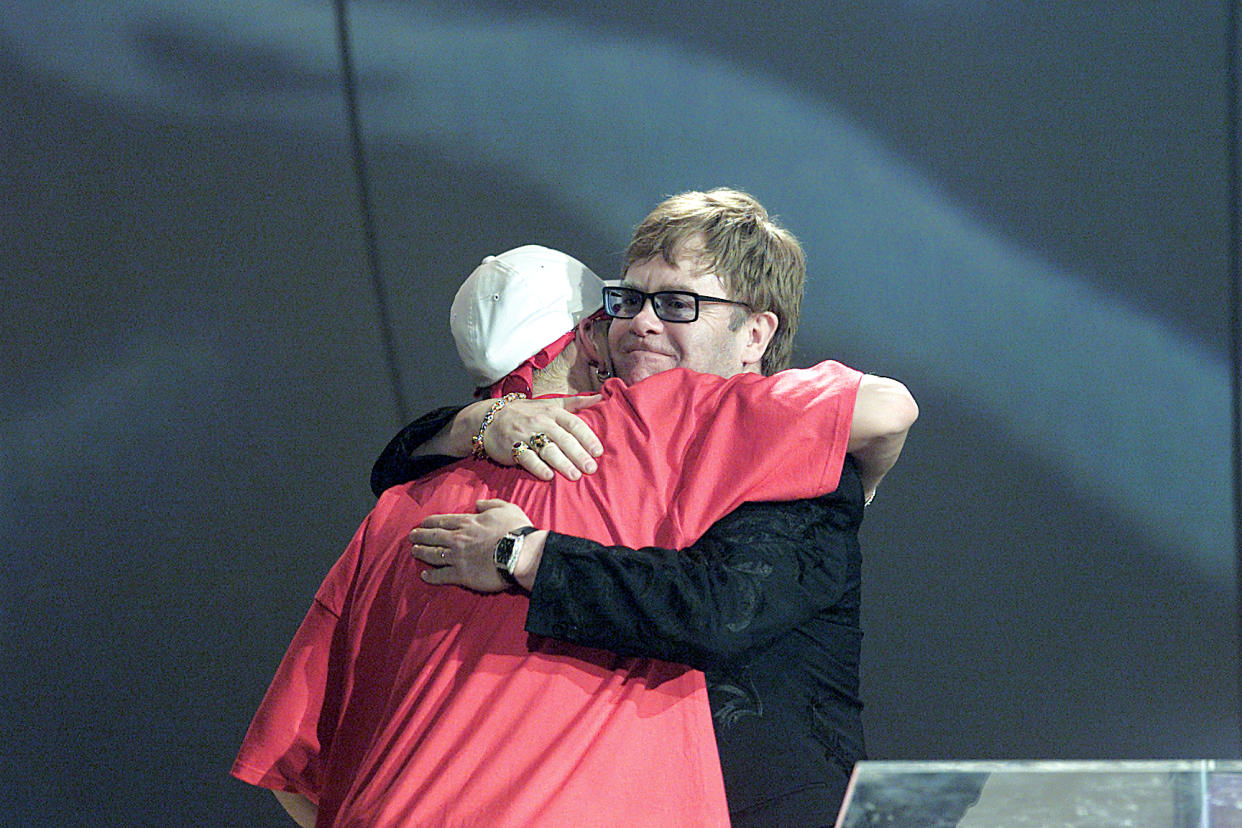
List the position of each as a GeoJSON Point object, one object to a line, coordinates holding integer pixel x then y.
{"type": "Point", "coordinates": [554, 379]}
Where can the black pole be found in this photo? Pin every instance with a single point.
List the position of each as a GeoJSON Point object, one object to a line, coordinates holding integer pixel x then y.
{"type": "Point", "coordinates": [1234, 149]}
{"type": "Point", "coordinates": [368, 220]}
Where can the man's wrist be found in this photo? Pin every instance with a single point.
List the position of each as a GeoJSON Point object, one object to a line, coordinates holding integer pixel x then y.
{"type": "Point", "coordinates": [508, 550]}
{"type": "Point", "coordinates": [458, 436]}
{"type": "Point", "coordinates": [477, 450]}
{"type": "Point", "coordinates": [526, 567]}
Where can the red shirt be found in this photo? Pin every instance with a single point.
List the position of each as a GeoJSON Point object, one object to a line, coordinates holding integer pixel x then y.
{"type": "Point", "coordinates": [400, 703]}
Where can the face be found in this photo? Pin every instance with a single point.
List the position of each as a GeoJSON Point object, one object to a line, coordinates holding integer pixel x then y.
{"type": "Point", "coordinates": [646, 345]}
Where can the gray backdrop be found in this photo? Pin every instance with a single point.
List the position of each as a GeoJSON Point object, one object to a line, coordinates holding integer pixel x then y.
{"type": "Point", "coordinates": [1019, 209]}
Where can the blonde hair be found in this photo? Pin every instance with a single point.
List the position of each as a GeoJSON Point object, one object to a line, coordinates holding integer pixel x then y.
{"type": "Point", "coordinates": [729, 233]}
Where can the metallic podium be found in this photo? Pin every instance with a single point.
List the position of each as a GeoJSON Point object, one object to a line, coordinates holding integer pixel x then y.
{"type": "Point", "coordinates": [1052, 794]}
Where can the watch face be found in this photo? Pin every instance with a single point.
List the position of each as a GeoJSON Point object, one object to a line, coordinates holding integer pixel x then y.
{"type": "Point", "coordinates": [505, 553]}
{"type": "Point", "coordinates": [508, 548]}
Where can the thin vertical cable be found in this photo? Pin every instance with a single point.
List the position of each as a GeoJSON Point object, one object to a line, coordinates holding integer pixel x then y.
{"type": "Point", "coordinates": [1233, 113]}
{"type": "Point", "coordinates": [368, 220]}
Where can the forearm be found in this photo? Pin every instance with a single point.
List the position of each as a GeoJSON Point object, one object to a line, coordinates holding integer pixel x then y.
{"type": "Point", "coordinates": [876, 458]}
{"type": "Point", "coordinates": [448, 434]}
{"type": "Point", "coordinates": [302, 810]}
{"type": "Point", "coordinates": [635, 602]}
{"type": "Point", "coordinates": [418, 449]}
{"type": "Point", "coordinates": [455, 439]}
{"type": "Point", "coordinates": [755, 575]}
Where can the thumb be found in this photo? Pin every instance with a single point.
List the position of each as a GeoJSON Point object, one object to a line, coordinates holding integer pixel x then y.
{"type": "Point", "coordinates": [491, 503]}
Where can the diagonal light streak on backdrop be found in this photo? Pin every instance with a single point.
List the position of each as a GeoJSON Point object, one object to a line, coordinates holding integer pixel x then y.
{"type": "Point", "coordinates": [1118, 399]}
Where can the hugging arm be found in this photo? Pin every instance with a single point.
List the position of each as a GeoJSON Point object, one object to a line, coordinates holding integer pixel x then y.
{"type": "Point", "coordinates": [411, 454]}
{"type": "Point", "coordinates": [444, 435]}
{"type": "Point", "coordinates": [754, 575]}
{"type": "Point", "coordinates": [883, 414]}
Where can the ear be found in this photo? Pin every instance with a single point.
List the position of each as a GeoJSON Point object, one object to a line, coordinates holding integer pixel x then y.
{"type": "Point", "coordinates": [758, 331]}
{"type": "Point", "coordinates": [585, 337]}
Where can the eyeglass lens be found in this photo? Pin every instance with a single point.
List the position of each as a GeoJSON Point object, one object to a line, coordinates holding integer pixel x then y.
{"type": "Point", "coordinates": [669, 305]}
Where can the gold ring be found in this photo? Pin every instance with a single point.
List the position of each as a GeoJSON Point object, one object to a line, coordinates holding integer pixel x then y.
{"type": "Point", "coordinates": [538, 440]}
{"type": "Point", "coordinates": [518, 448]}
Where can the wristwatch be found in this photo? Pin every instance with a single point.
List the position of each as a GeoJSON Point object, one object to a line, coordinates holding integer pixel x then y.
{"type": "Point", "coordinates": [508, 549]}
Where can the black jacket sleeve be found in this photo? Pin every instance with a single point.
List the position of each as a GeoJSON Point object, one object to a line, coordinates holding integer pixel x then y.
{"type": "Point", "coordinates": [756, 574]}
{"type": "Point", "coordinates": [397, 465]}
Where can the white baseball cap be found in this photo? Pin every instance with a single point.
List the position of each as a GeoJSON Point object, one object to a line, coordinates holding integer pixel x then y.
{"type": "Point", "coordinates": [514, 305]}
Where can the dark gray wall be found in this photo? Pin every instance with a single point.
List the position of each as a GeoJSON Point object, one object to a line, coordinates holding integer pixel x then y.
{"type": "Point", "coordinates": [1019, 209]}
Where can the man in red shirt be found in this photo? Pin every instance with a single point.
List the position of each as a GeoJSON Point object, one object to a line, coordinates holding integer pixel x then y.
{"type": "Point", "coordinates": [402, 704]}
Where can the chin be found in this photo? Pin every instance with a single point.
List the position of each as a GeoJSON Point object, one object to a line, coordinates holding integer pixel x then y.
{"type": "Point", "coordinates": [647, 365]}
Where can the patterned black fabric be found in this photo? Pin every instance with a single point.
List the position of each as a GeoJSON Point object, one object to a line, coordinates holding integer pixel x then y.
{"type": "Point", "coordinates": [398, 464]}
{"type": "Point", "coordinates": [766, 603]}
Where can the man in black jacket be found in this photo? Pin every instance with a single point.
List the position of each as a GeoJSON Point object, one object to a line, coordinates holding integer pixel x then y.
{"type": "Point", "coordinates": [766, 603]}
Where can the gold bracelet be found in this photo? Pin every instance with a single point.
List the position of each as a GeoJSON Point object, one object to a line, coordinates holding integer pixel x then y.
{"type": "Point", "coordinates": [476, 442]}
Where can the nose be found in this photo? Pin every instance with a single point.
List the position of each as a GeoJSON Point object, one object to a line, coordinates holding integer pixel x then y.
{"type": "Point", "coordinates": [646, 321]}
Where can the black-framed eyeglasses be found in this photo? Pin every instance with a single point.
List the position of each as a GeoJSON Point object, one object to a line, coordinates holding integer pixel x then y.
{"type": "Point", "coordinates": [670, 305]}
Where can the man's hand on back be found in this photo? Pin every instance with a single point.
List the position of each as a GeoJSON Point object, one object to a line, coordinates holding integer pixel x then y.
{"type": "Point", "coordinates": [461, 548]}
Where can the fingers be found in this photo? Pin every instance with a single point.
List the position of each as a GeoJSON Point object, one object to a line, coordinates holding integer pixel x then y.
{"type": "Point", "coordinates": [543, 462]}
{"type": "Point", "coordinates": [582, 438]}
{"type": "Point", "coordinates": [512, 511]}
{"type": "Point", "coordinates": [442, 575]}
{"type": "Point", "coordinates": [565, 447]}
{"type": "Point", "coordinates": [437, 538]}
{"type": "Point", "coordinates": [576, 445]}
{"type": "Point", "coordinates": [552, 456]}
{"type": "Point", "coordinates": [445, 521]}
{"type": "Point", "coordinates": [527, 458]}
{"type": "Point", "coordinates": [459, 568]}
{"type": "Point", "coordinates": [434, 555]}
